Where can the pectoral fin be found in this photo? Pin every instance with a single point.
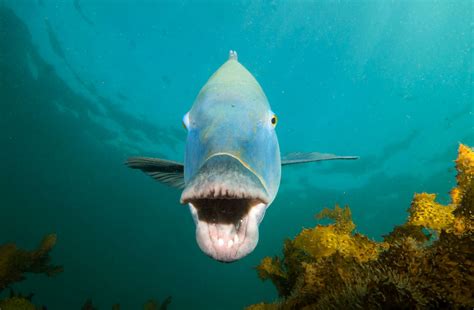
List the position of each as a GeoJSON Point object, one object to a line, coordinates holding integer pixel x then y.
{"type": "Point", "coordinates": [166, 171]}
{"type": "Point", "coordinates": [299, 158]}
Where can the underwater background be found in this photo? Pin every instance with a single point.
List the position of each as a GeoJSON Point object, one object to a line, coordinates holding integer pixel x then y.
{"type": "Point", "coordinates": [84, 84]}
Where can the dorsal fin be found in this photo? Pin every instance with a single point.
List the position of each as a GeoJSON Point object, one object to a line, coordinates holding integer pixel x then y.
{"type": "Point", "coordinates": [233, 55]}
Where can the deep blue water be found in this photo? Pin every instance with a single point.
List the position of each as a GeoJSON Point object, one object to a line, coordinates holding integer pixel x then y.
{"type": "Point", "coordinates": [84, 84]}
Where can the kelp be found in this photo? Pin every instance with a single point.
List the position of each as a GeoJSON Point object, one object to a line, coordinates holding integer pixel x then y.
{"type": "Point", "coordinates": [15, 263]}
{"type": "Point", "coordinates": [426, 262]}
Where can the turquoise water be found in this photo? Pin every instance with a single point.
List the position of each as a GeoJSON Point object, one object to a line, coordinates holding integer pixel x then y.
{"type": "Point", "coordinates": [86, 84]}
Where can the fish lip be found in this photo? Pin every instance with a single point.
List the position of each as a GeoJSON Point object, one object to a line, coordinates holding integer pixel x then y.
{"type": "Point", "coordinates": [222, 194]}
{"type": "Point", "coordinates": [227, 200]}
{"type": "Point", "coordinates": [207, 235]}
{"type": "Point", "coordinates": [225, 176]}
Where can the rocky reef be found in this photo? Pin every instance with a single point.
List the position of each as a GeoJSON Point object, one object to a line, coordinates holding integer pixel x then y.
{"type": "Point", "coordinates": [428, 262]}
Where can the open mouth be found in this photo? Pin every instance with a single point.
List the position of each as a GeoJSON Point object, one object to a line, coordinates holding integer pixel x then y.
{"type": "Point", "coordinates": [227, 229]}
{"type": "Point", "coordinates": [227, 208]}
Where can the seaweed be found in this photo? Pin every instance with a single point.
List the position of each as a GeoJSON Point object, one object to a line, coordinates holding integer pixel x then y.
{"type": "Point", "coordinates": [88, 305]}
{"type": "Point", "coordinates": [17, 303]}
{"type": "Point", "coordinates": [15, 263]}
{"type": "Point", "coordinates": [331, 267]}
{"type": "Point", "coordinates": [155, 305]}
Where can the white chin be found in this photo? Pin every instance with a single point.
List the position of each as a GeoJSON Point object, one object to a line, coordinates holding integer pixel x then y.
{"type": "Point", "coordinates": [229, 242]}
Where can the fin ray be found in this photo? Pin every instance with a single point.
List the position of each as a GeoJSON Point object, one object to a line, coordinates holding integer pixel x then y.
{"type": "Point", "coordinates": [165, 171]}
{"type": "Point", "coordinates": [301, 157]}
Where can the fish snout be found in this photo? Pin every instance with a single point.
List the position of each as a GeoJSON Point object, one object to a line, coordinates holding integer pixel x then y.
{"type": "Point", "coordinates": [227, 201]}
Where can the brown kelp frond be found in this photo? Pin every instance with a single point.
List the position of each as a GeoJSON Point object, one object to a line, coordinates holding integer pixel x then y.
{"type": "Point", "coordinates": [14, 262]}
{"type": "Point", "coordinates": [322, 241]}
{"type": "Point", "coordinates": [330, 267]}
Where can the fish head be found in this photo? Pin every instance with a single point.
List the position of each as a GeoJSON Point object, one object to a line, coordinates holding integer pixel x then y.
{"type": "Point", "coordinates": [232, 164]}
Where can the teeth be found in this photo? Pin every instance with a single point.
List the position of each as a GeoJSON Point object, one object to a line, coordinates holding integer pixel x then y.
{"type": "Point", "coordinates": [230, 243]}
{"type": "Point", "coordinates": [194, 213]}
{"type": "Point", "coordinates": [237, 225]}
{"type": "Point", "coordinates": [214, 191]}
{"type": "Point", "coordinates": [220, 242]}
{"type": "Point", "coordinates": [236, 239]}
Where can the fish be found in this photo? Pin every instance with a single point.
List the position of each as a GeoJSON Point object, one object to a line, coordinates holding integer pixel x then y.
{"type": "Point", "coordinates": [232, 165]}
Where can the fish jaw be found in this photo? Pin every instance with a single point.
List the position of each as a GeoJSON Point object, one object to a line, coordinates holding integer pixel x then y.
{"type": "Point", "coordinates": [228, 242]}
{"type": "Point", "coordinates": [227, 202]}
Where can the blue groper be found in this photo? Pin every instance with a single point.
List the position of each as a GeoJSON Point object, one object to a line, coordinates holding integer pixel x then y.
{"type": "Point", "coordinates": [232, 167]}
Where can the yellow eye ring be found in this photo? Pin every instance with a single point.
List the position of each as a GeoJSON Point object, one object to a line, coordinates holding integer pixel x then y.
{"type": "Point", "coordinates": [274, 120]}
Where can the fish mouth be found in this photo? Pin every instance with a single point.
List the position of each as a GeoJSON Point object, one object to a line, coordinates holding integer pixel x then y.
{"type": "Point", "coordinates": [227, 201]}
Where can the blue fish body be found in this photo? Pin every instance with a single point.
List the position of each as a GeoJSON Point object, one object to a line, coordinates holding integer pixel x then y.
{"type": "Point", "coordinates": [232, 167]}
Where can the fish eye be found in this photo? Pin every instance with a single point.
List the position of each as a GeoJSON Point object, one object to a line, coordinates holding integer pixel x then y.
{"type": "Point", "coordinates": [274, 120]}
{"type": "Point", "coordinates": [185, 121]}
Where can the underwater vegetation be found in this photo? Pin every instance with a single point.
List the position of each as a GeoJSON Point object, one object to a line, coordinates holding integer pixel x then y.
{"type": "Point", "coordinates": [15, 263]}
{"type": "Point", "coordinates": [428, 262]}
